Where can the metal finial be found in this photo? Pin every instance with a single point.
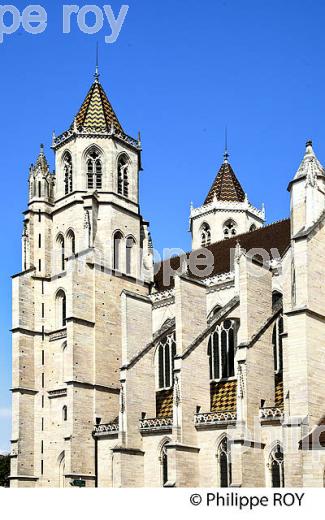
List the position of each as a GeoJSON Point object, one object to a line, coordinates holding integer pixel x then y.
{"type": "Point", "coordinates": [226, 154]}
{"type": "Point", "coordinates": [96, 75]}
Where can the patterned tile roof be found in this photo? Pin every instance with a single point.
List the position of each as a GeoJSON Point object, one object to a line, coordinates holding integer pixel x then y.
{"type": "Point", "coordinates": [226, 186]}
{"type": "Point", "coordinates": [223, 396]}
{"type": "Point", "coordinates": [164, 403]}
{"type": "Point", "coordinates": [96, 112]}
{"type": "Point", "coordinates": [279, 391]}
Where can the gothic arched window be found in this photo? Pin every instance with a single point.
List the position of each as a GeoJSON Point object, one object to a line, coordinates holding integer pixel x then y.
{"type": "Point", "coordinates": [221, 350]}
{"type": "Point", "coordinates": [122, 175]}
{"type": "Point", "coordinates": [277, 467]}
{"type": "Point", "coordinates": [129, 256]}
{"type": "Point", "coordinates": [205, 235]}
{"type": "Point", "coordinates": [224, 460]}
{"type": "Point", "coordinates": [277, 345]}
{"type": "Point", "coordinates": [94, 169]}
{"type": "Point", "coordinates": [166, 353]}
{"type": "Point", "coordinates": [67, 168]}
{"type": "Point", "coordinates": [60, 241]}
{"type": "Point", "coordinates": [117, 240]}
{"type": "Point", "coordinates": [61, 469]}
{"type": "Point", "coordinates": [71, 239]}
{"type": "Point", "coordinates": [252, 228]}
{"type": "Point", "coordinates": [61, 308]}
{"type": "Point", "coordinates": [164, 464]}
{"type": "Point", "coordinates": [229, 228]}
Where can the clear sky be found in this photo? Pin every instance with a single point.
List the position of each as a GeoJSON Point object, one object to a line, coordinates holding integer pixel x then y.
{"type": "Point", "coordinates": [179, 71]}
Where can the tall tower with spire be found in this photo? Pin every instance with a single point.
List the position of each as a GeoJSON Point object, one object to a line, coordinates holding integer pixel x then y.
{"type": "Point", "coordinates": [84, 242]}
{"type": "Point", "coordinates": [226, 210]}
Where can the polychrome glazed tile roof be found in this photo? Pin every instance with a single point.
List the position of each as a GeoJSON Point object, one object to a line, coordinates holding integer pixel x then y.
{"type": "Point", "coordinates": [279, 391]}
{"type": "Point", "coordinates": [226, 186]}
{"type": "Point", "coordinates": [223, 396]}
{"type": "Point", "coordinates": [96, 112]}
{"type": "Point", "coordinates": [164, 403]}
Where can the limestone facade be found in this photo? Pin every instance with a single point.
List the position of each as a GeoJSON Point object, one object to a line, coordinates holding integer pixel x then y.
{"type": "Point", "coordinates": [125, 378]}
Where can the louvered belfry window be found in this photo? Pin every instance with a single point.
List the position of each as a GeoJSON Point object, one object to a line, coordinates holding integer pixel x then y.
{"type": "Point", "coordinates": [68, 179]}
{"type": "Point", "coordinates": [123, 175]}
{"type": "Point", "coordinates": [94, 170]}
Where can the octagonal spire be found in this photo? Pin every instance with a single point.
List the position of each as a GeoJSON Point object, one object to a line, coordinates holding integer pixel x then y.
{"type": "Point", "coordinates": [96, 113]}
{"type": "Point", "coordinates": [226, 186]}
{"type": "Point", "coordinates": [310, 166]}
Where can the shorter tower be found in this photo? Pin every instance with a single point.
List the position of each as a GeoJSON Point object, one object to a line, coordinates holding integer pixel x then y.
{"type": "Point", "coordinates": [307, 192]}
{"type": "Point", "coordinates": [37, 223]}
{"type": "Point", "coordinates": [225, 212]}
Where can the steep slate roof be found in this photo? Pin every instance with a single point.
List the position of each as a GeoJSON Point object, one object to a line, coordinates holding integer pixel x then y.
{"type": "Point", "coordinates": [96, 112]}
{"type": "Point", "coordinates": [273, 236]}
{"type": "Point", "coordinates": [226, 186]}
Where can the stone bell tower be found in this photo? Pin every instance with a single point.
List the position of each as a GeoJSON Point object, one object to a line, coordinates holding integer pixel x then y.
{"type": "Point", "coordinates": [84, 242]}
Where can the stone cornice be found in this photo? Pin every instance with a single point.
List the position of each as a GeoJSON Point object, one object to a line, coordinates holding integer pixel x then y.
{"type": "Point", "coordinates": [80, 321]}
{"type": "Point", "coordinates": [219, 205]}
{"type": "Point", "coordinates": [84, 133]}
{"type": "Point", "coordinates": [94, 386]}
{"type": "Point", "coordinates": [136, 296]}
{"type": "Point", "coordinates": [23, 273]}
{"type": "Point", "coordinates": [23, 390]}
{"type": "Point", "coordinates": [305, 310]}
{"type": "Point", "coordinates": [28, 332]}
{"type": "Point", "coordinates": [23, 477]}
{"type": "Point", "coordinates": [128, 451]}
{"type": "Point", "coordinates": [179, 446]}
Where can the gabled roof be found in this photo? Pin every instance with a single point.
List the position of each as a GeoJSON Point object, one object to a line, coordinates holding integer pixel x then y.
{"type": "Point", "coordinates": [274, 236]}
{"type": "Point", "coordinates": [96, 112]}
{"type": "Point", "coordinates": [226, 186]}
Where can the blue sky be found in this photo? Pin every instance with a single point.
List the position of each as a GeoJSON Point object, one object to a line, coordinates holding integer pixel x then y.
{"type": "Point", "coordinates": [179, 72]}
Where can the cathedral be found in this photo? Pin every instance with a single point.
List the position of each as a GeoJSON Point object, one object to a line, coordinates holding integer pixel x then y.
{"type": "Point", "coordinates": [205, 369]}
